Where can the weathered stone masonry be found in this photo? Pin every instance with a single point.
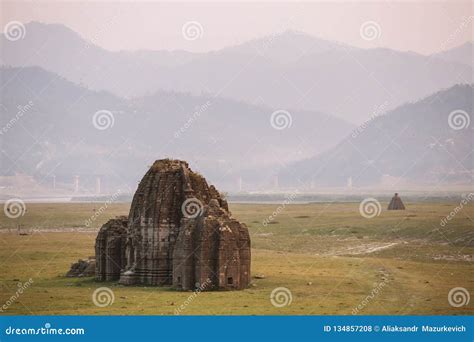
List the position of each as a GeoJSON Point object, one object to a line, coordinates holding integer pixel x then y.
{"type": "Point", "coordinates": [179, 233]}
{"type": "Point", "coordinates": [110, 249]}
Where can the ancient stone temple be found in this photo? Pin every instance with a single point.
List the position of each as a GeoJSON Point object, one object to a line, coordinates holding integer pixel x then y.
{"type": "Point", "coordinates": [179, 233]}
{"type": "Point", "coordinates": [396, 203]}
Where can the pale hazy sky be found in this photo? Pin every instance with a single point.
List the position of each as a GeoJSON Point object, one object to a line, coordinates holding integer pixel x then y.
{"type": "Point", "coordinates": [421, 26]}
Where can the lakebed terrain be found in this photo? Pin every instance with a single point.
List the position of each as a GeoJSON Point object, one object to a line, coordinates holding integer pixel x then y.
{"type": "Point", "coordinates": [327, 258]}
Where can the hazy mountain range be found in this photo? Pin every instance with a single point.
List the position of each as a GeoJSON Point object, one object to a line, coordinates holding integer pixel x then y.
{"type": "Point", "coordinates": [222, 138]}
{"type": "Point", "coordinates": [426, 142]}
{"type": "Point", "coordinates": [462, 54]}
{"type": "Point", "coordinates": [287, 70]}
{"type": "Point", "coordinates": [215, 110]}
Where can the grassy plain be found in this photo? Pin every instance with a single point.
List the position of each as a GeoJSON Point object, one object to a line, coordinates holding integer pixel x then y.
{"type": "Point", "coordinates": [330, 258]}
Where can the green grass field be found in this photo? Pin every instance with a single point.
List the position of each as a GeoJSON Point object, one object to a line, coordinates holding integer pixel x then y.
{"type": "Point", "coordinates": [330, 258]}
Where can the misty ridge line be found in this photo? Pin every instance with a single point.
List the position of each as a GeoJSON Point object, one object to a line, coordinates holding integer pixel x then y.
{"type": "Point", "coordinates": [123, 109]}
{"type": "Point", "coordinates": [266, 39]}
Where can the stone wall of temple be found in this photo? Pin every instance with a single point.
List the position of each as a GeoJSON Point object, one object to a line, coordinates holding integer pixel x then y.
{"type": "Point", "coordinates": [110, 249]}
{"type": "Point", "coordinates": [212, 249]}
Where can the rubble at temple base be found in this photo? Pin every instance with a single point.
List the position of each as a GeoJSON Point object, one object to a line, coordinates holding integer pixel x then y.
{"type": "Point", "coordinates": [82, 268]}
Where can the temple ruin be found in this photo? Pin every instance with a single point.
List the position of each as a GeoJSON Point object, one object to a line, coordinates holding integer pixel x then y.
{"type": "Point", "coordinates": [179, 233]}
{"type": "Point", "coordinates": [396, 203]}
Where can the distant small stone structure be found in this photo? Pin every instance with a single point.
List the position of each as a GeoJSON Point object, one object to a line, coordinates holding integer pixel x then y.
{"type": "Point", "coordinates": [396, 203]}
{"type": "Point", "coordinates": [179, 233]}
